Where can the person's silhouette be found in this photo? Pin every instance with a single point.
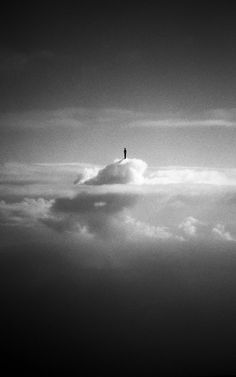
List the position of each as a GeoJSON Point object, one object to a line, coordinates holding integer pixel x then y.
{"type": "Point", "coordinates": [125, 153]}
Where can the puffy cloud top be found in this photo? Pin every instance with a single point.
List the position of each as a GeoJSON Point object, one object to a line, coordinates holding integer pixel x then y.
{"type": "Point", "coordinates": [120, 172]}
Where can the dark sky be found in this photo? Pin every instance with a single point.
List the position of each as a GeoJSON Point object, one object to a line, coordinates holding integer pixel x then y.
{"type": "Point", "coordinates": [123, 54]}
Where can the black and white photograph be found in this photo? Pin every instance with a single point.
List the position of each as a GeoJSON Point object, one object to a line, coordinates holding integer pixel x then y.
{"type": "Point", "coordinates": [118, 188]}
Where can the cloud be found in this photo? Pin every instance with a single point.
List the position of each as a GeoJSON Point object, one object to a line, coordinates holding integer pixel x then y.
{"type": "Point", "coordinates": [181, 123]}
{"type": "Point", "coordinates": [77, 117]}
{"type": "Point", "coordinates": [192, 175]}
{"type": "Point", "coordinates": [108, 217]}
{"type": "Point", "coordinates": [24, 213]}
{"type": "Point", "coordinates": [210, 118]}
{"type": "Point", "coordinates": [104, 203]}
{"type": "Point", "coordinates": [136, 171]}
{"type": "Point", "coordinates": [191, 226]}
{"type": "Point", "coordinates": [74, 117]}
{"type": "Point", "coordinates": [86, 175]}
{"type": "Point", "coordinates": [119, 172]}
{"type": "Point", "coordinates": [140, 230]}
{"type": "Point", "coordinates": [120, 205]}
{"type": "Point", "coordinates": [194, 228]}
{"type": "Point", "coordinates": [19, 180]}
{"type": "Point", "coordinates": [183, 185]}
{"type": "Point", "coordinates": [101, 214]}
{"type": "Point", "coordinates": [220, 233]}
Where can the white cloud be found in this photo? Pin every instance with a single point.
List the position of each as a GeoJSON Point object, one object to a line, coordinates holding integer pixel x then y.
{"type": "Point", "coordinates": [194, 175]}
{"type": "Point", "coordinates": [220, 233]}
{"type": "Point", "coordinates": [139, 229]}
{"type": "Point", "coordinates": [25, 212]}
{"type": "Point", "coordinates": [135, 171]}
{"type": "Point", "coordinates": [19, 180]}
{"type": "Point", "coordinates": [119, 172]}
{"type": "Point", "coordinates": [191, 226]}
{"type": "Point", "coordinates": [198, 230]}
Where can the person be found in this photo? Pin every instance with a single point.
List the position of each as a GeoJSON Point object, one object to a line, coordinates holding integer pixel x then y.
{"type": "Point", "coordinates": [125, 153]}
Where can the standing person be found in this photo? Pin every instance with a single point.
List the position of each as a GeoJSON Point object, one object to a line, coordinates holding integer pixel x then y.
{"type": "Point", "coordinates": [125, 153]}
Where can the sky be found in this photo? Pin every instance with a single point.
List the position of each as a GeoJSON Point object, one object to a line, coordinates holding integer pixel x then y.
{"type": "Point", "coordinates": [111, 264]}
{"type": "Point", "coordinates": [78, 83]}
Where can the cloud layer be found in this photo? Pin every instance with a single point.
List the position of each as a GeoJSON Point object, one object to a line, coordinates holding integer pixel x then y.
{"type": "Point", "coordinates": [135, 171]}
{"type": "Point", "coordinates": [122, 205]}
{"type": "Point", "coordinates": [77, 117]}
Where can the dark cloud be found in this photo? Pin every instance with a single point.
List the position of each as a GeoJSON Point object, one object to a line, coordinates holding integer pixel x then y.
{"type": "Point", "coordinates": [109, 203]}
{"type": "Point", "coordinates": [92, 214]}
